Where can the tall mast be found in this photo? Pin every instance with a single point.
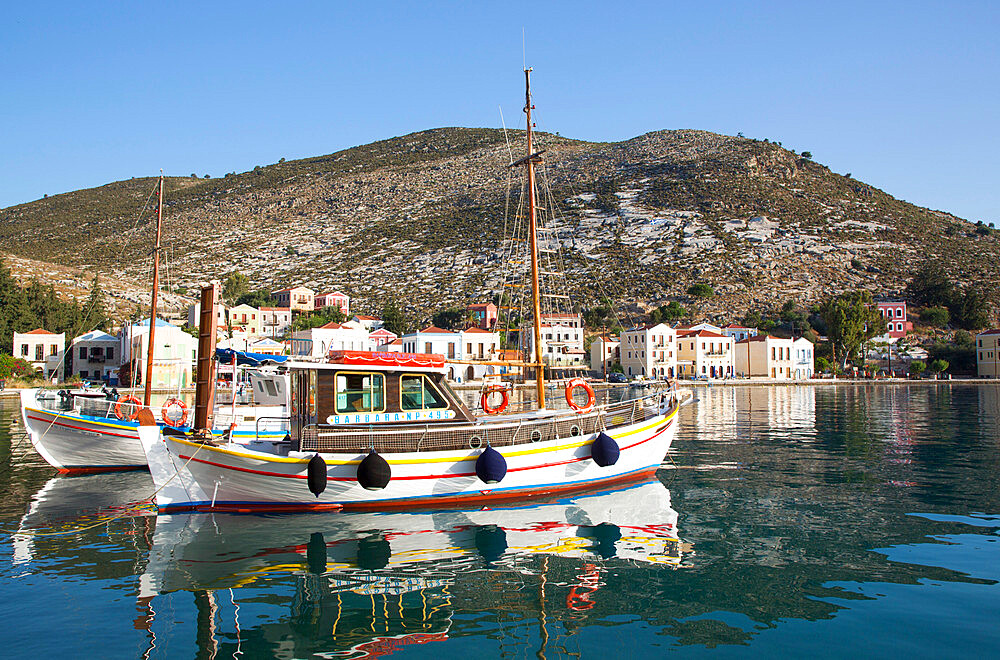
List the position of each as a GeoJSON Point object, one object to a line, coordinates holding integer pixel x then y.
{"type": "Point", "coordinates": [535, 297]}
{"type": "Point", "coordinates": [152, 307]}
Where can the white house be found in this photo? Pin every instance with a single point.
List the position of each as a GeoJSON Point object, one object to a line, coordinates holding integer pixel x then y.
{"type": "Point", "coordinates": [562, 340]}
{"type": "Point", "coordinates": [43, 349]}
{"type": "Point", "coordinates": [765, 356]}
{"type": "Point", "coordinates": [95, 356]}
{"type": "Point", "coordinates": [174, 353]}
{"type": "Point", "coordinates": [275, 321]}
{"type": "Point", "coordinates": [371, 323]}
{"type": "Point", "coordinates": [803, 359]}
{"type": "Point", "coordinates": [649, 351]}
{"type": "Point", "coordinates": [317, 342]}
{"type": "Point", "coordinates": [704, 354]}
{"type": "Point", "coordinates": [988, 354]}
{"type": "Point", "coordinates": [604, 352]}
{"type": "Point", "coordinates": [739, 332]}
{"type": "Point", "coordinates": [267, 346]}
{"type": "Point", "coordinates": [471, 344]}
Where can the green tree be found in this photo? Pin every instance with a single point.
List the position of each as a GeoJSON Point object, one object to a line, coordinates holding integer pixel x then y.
{"type": "Point", "coordinates": [937, 366]}
{"type": "Point", "coordinates": [393, 320]}
{"type": "Point", "coordinates": [319, 317]}
{"type": "Point", "coordinates": [968, 309]}
{"type": "Point", "coordinates": [257, 298]}
{"type": "Point", "coordinates": [930, 286]}
{"type": "Point", "coordinates": [235, 285]}
{"type": "Point", "coordinates": [936, 317]}
{"type": "Point", "coordinates": [822, 364]}
{"type": "Point", "coordinates": [700, 290]}
{"type": "Point", "coordinates": [452, 318]}
{"type": "Point", "coordinates": [851, 319]}
{"type": "Point", "coordinates": [917, 367]}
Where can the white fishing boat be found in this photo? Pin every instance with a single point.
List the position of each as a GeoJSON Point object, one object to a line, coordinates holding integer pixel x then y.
{"type": "Point", "coordinates": [94, 430]}
{"type": "Point", "coordinates": [384, 430]}
{"type": "Point", "coordinates": [78, 431]}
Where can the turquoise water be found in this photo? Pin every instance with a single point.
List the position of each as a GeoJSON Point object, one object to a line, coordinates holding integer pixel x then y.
{"type": "Point", "coordinates": [806, 521]}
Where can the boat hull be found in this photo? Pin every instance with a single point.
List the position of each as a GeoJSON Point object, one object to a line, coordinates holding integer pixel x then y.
{"type": "Point", "coordinates": [74, 442]}
{"type": "Point", "coordinates": [192, 476]}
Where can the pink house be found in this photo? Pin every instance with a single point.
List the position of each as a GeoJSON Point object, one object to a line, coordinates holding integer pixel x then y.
{"type": "Point", "coordinates": [334, 299]}
{"type": "Point", "coordinates": [894, 313]}
{"type": "Point", "coordinates": [485, 315]}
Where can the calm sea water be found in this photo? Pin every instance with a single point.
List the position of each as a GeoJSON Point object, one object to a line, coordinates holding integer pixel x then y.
{"type": "Point", "coordinates": [819, 521]}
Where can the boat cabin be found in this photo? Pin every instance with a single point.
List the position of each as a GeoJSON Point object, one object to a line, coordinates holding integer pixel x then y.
{"type": "Point", "coordinates": [364, 388]}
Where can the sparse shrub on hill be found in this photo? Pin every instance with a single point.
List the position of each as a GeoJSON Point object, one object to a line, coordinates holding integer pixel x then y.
{"type": "Point", "coordinates": [936, 317]}
{"type": "Point", "coordinates": [700, 290]}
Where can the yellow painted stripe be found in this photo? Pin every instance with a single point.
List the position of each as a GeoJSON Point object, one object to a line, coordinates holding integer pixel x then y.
{"type": "Point", "coordinates": [417, 461]}
{"type": "Point", "coordinates": [80, 419]}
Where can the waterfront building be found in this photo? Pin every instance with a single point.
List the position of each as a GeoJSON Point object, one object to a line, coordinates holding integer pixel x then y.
{"type": "Point", "coordinates": [604, 353]}
{"type": "Point", "coordinates": [43, 349]}
{"type": "Point", "coordinates": [395, 346]}
{"type": "Point", "coordinates": [703, 353]}
{"type": "Point", "coordinates": [333, 299]}
{"type": "Point", "coordinates": [649, 351]}
{"type": "Point", "coordinates": [484, 315]}
{"type": "Point", "coordinates": [174, 354]}
{"type": "Point", "coordinates": [988, 354]}
{"type": "Point", "coordinates": [317, 342]}
{"type": "Point", "coordinates": [460, 347]}
{"type": "Point", "coordinates": [297, 298]}
{"type": "Point", "coordinates": [803, 359]}
{"type": "Point", "coordinates": [433, 339]}
{"type": "Point", "coordinates": [562, 340]}
{"type": "Point", "coordinates": [738, 332]}
{"type": "Point", "coordinates": [275, 321]}
{"type": "Point", "coordinates": [765, 356]}
{"type": "Point", "coordinates": [95, 356]}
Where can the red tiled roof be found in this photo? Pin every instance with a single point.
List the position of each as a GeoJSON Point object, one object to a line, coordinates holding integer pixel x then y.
{"type": "Point", "coordinates": [701, 333]}
{"type": "Point", "coordinates": [995, 331]}
{"type": "Point", "coordinates": [368, 318]}
{"type": "Point", "coordinates": [478, 306]}
{"type": "Point", "coordinates": [332, 325]}
{"type": "Point", "coordinates": [479, 331]}
{"type": "Point", "coordinates": [434, 328]}
{"type": "Point", "coordinates": [39, 331]}
{"type": "Point", "coordinates": [274, 309]}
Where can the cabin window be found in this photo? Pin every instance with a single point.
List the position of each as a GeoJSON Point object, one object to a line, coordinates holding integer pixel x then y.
{"type": "Point", "coordinates": [418, 393]}
{"type": "Point", "coordinates": [360, 392]}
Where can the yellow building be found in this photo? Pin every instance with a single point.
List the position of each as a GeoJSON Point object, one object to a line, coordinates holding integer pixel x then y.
{"type": "Point", "coordinates": [988, 354]}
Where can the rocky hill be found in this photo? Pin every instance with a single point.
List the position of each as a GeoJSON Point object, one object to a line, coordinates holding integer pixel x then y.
{"type": "Point", "coordinates": [417, 219]}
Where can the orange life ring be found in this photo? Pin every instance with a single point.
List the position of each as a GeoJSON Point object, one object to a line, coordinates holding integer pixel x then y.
{"type": "Point", "coordinates": [572, 385]}
{"type": "Point", "coordinates": [130, 400]}
{"type": "Point", "coordinates": [171, 422]}
{"type": "Point", "coordinates": [484, 401]}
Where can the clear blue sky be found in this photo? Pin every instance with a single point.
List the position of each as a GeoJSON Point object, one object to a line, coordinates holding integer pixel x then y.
{"type": "Point", "coordinates": [904, 95]}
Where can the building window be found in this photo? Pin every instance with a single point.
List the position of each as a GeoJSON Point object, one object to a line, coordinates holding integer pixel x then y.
{"type": "Point", "coordinates": [39, 352]}
{"type": "Point", "coordinates": [83, 353]}
{"type": "Point", "coordinates": [53, 349]}
{"type": "Point", "coordinates": [24, 349]}
{"type": "Point", "coordinates": [83, 374]}
{"type": "Point", "coordinates": [109, 353]}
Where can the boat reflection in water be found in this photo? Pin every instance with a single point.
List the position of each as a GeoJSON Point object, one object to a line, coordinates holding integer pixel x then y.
{"type": "Point", "coordinates": [361, 584]}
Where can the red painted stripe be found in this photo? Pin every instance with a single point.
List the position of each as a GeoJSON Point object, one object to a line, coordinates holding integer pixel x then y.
{"type": "Point", "coordinates": [416, 477]}
{"type": "Point", "coordinates": [108, 468]}
{"type": "Point", "coordinates": [81, 428]}
{"type": "Point", "coordinates": [434, 502]}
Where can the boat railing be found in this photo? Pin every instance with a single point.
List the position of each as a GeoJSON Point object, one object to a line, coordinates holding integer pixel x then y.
{"type": "Point", "coordinates": [412, 438]}
{"type": "Point", "coordinates": [270, 427]}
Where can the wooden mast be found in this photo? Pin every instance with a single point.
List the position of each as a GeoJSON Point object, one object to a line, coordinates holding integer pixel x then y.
{"type": "Point", "coordinates": [529, 162]}
{"type": "Point", "coordinates": [147, 396]}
